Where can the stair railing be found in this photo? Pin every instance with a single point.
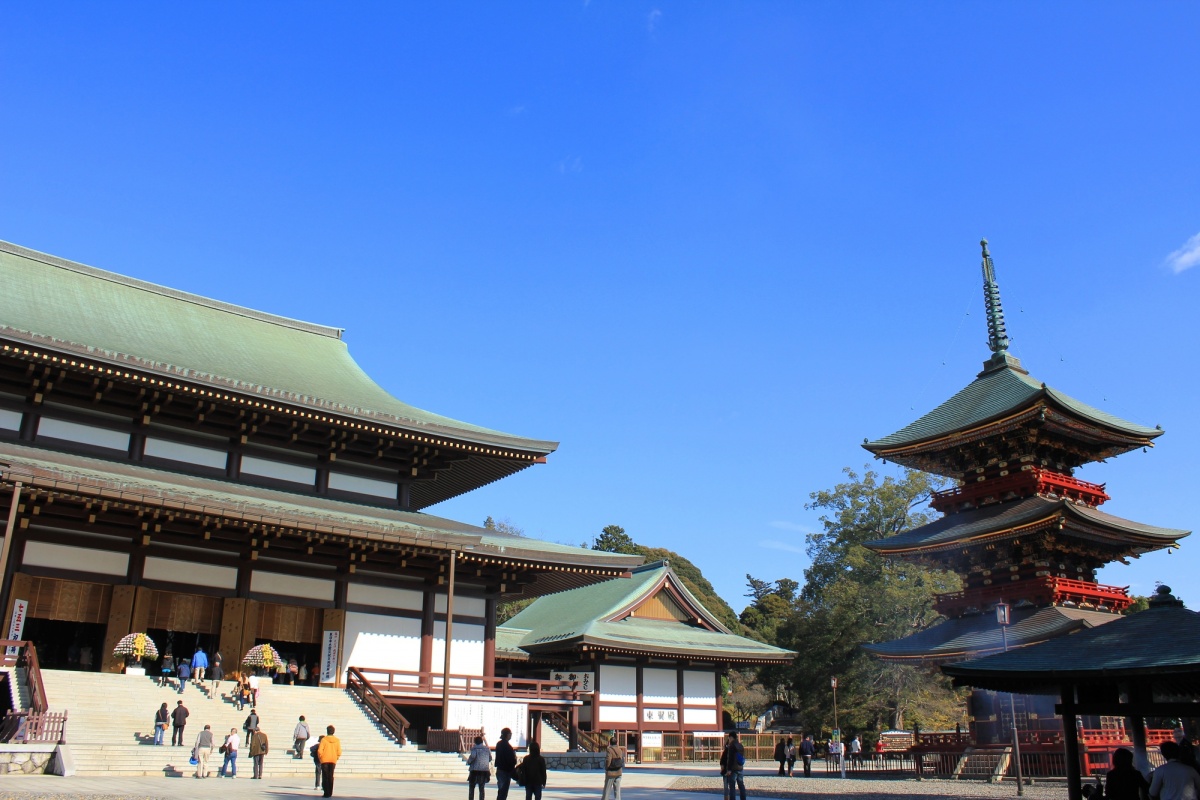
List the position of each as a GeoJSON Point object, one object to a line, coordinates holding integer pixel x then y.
{"type": "Point", "coordinates": [592, 742]}
{"type": "Point", "coordinates": [39, 725]}
{"type": "Point", "coordinates": [376, 704]}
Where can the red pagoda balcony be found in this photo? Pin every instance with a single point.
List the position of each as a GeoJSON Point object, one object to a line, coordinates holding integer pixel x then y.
{"type": "Point", "coordinates": [1042, 591]}
{"type": "Point", "coordinates": [1017, 485]}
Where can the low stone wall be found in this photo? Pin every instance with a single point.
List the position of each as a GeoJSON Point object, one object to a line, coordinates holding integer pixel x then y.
{"type": "Point", "coordinates": [574, 761]}
{"type": "Point", "coordinates": [27, 759]}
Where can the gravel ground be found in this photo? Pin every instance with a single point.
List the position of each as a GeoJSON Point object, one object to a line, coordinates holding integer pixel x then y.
{"type": "Point", "coordinates": [872, 789]}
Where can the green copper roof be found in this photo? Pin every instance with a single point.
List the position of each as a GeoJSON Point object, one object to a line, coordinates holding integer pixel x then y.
{"type": "Point", "coordinates": [58, 304]}
{"type": "Point", "coordinates": [970, 527]}
{"type": "Point", "coordinates": [964, 637]}
{"type": "Point", "coordinates": [585, 616]}
{"type": "Point", "coordinates": [995, 394]}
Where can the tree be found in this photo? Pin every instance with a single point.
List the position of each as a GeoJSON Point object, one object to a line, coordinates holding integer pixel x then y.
{"type": "Point", "coordinates": [503, 526]}
{"type": "Point", "coordinates": [614, 539]}
{"type": "Point", "coordinates": [746, 699]}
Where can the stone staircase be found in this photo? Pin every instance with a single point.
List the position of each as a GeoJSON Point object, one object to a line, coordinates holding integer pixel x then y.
{"type": "Point", "coordinates": [986, 764]}
{"type": "Point", "coordinates": [552, 740]}
{"type": "Point", "coordinates": [111, 729]}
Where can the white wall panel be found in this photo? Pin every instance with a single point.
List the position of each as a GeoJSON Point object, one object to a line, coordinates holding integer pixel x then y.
{"type": "Point", "coordinates": [660, 687]}
{"type": "Point", "coordinates": [611, 714]}
{"type": "Point", "coordinates": [292, 586]}
{"type": "Point", "coordinates": [385, 596]}
{"type": "Point", "coordinates": [463, 606]}
{"type": "Point", "coordinates": [278, 470]}
{"type": "Point", "coordinates": [84, 434]}
{"type": "Point", "coordinates": [80, 559]}
{"type": "Point", "coordinates": [375, 640]}
{"type": "Point", "coordinates": [700, 716]}
{"type": "Point", "coordinates": [466, 655]}
{"type": "Point", "coordinates": [699, 688]}
{"type": "Point", "coordinates": [353, 483]}
{"type": "Point", "coordinates": [185, 453]}
{"type": "Point", "coordinates": [618, 683]}
{"type": "Point", "coordinates": [10, 420]}
{"type": "Point", "coordinates": [190, 573]}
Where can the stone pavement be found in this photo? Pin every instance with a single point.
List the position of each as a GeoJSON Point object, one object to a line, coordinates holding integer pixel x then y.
{"type": "Point", "coordinates": [640, 783]}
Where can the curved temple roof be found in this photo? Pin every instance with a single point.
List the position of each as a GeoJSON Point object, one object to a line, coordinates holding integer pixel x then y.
{"type": "Point", "coordinates": [54, 303]}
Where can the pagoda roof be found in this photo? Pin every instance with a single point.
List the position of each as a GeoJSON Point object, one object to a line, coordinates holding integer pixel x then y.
{"type": "Point", "coordinates": [55, 304]}
{"type": "Point", "coordinates": [1162, 641]}
{"type": "Point", "coordinates": [1001, 392]}
{"type": "Point", "coordinates": [1021, 517]}
{"type": "Point", "coordinates": [964, 637]}
{"type": "Point", "coordinates": [70, 474]}
{"type": "Point", "coordinates": [603, 617]}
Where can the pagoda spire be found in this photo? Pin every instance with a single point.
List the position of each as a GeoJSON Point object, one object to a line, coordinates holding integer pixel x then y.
{"type": "Point", "coordinates": [997, 334]}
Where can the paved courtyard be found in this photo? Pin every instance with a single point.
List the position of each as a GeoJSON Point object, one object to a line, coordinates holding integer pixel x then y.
{"type": "Point", "coordinates": [678, 782]}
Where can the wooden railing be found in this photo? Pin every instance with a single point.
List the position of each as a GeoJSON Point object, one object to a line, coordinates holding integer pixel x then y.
{"type": "Point", "coordinates": [1028, 481]}
{"type": "Point", "coordinates": [451, 741]}
{"type": "Point", "coordinates": [1040, 590]}
{"type": "Point", "coordinates": [36, 724]}
{"type": "Point", "coordinates": [395, 681]}
{"type": "Point", "coordinates": [592, 742]}
{"type": "Point", "coordinates": [376, 704]}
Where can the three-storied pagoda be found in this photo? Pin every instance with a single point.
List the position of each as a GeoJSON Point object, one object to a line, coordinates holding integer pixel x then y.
{"type": "Point", "coordinates": [1019, 528]}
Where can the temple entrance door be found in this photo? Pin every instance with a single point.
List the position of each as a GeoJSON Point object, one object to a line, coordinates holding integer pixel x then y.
{"type": "Point", "coordinates": [307, 654]}
{"type": "Point", "coordinates": [66, 645]}
{"type": "Point", "coordinates": [181, 644]}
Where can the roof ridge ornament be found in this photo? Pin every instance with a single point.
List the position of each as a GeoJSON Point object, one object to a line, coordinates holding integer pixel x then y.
{"type": "Point", "coordinates": [998, 340]}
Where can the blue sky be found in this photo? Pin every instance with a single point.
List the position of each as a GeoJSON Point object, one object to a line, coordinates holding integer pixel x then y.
{"type": "Point", "coordinates": [709, 247]}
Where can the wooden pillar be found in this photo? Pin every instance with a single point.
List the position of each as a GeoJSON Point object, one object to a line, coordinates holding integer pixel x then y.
{"type": "Point", "coordinates": [641, 700]}
{"type": "Point", "coordinates": [428, 605]}
{"type": "Point", "coordinates": [537, 727]}
{"type": "Point", "coordinates": [249, 631]}
{"type": "Point", "coordinates": [449, 640]}
{"type": "Point", "coordinates": [572, 728]}
{"type": "Point", "coordinates": [720, 693]}
{"type": "Point", "coordinates": [680, 683]}
{"type": "Point", "coordinates": [334, 619]}
{"type": "Point", "coordinates": [139, 618]}
{"type": "Point", "coordinates": [120, 623]}
{"type": "Point", "coordinates": [233, 620]}
{"type": "Point", "coordinates": [489, 638]}
{"type": "Point", "coordinates": [1071, 744]}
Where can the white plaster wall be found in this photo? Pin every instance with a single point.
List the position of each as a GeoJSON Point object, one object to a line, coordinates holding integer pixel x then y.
{"type": "Point", "coordinates": [84, 434]}
{"type": "Point", "coordinates": [292, 586]}
{"type": "Point", "coordinates": [660, 687]}
{"type": "Point", "coordinates": [353, 483]}
{"type": "Point", "coordinates": [613, 714]}
{"type": "Point", "coordinates": [190, 573]}
{"type": "Point", "coordinates": [700, 716]}
{"type": "Point", "coordinates": [466, 654]}
{"type": "Point", "coordinates": [375, 640]}
{"type": "Point", "coordinates": [10, 420]}
{"type": "Point", "coordinates": [80, 559]}
{"type": "Point", "coordinates": [278, 470]}
{"type": "Point", "coordinates": [618, 684]}
{"type": "Point", "coordinates": [385, 596]}
{"type": "Point", "coordinates": [185, 453]}
{"type": "Point", "coordinates": [463, 606]}
{"type": "Point", "coordinates": [699, 688]}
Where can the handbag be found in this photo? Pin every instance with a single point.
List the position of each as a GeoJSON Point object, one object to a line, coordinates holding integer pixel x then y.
{"type": "Point", "coordinates": [195, 759]}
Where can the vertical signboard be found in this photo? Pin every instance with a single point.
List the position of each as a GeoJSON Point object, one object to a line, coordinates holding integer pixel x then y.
{"type": "Point", "coordinates": [329, 656]}
{"type": "Point", "coordinates": [16, 626]}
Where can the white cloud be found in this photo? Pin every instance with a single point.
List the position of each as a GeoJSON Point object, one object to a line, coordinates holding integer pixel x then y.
{"type": "Point", "coordinates": [784, 525]}
{"type": "Point", "coordinates": [787, 547]}
{"type": "Point", "coordinates": [570, 164]}
{"type": "Point", "coordinates": [652, 20]}
{"type": "Point", "coordinates": [1185, 257]}
{"type": "Point", "coordinates": [516, 111]}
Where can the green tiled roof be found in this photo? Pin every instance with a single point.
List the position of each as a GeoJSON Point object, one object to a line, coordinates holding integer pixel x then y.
{"type": "Point", "coordinates": [964, 637]}
{"type": "Point", "coordinates": [996, 394]}
{"type": "Point", "coordinates": [559, 623]}
{"type": "Point", "coordinates": [207, 495]}
{"type": "Point", "coordinates": [1162, 639]}
{"type": "Point", "coordinates": [54, 303]}
{"type": "Point", "coordinates": [954, 529]}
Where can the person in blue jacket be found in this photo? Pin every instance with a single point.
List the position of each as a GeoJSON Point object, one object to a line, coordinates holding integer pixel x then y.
{"type": "Point", "coordinates": [199, 664]}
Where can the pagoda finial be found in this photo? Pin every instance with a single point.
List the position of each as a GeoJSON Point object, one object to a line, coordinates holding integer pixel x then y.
{"type": "Point", "coordinates": [997, 335]}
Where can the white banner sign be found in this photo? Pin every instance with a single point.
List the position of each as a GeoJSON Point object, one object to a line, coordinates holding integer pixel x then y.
{"type": "Point", "coordinates": [586, 680]}
{"type": "Point", "coordinates": [660, 714]}
{"type": "Point", "coordinates": [493, 717]}
{"type": "Point", "coordinates": [651, 740]}
{"type": "Point", "coordinates": [16, 627]}
{"type": "Point", "coordinates": [329, 656]}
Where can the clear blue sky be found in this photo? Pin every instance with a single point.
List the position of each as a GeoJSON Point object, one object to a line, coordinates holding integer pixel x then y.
{"type": "Point", "coordinates": [709, 247]}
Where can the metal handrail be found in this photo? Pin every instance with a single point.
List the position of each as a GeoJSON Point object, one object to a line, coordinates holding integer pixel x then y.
{"type": "Point", "coordinates": [374, 701]}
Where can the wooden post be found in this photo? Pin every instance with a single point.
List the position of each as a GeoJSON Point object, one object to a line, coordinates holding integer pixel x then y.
{"type": "Point", "coordinates": [428, 605]}
{"type": "Point", "coordinates": [120, 622]}
{"type": "Point", "coordinates": [572, 728]}
{"type": "Point", "coordinates": [449, 638]}
{"type": "Point", "coordinates": [1071, 744]}
{"type": "Point", "coordinates": [489, 637]}
{"type": "Point", "coordinates": [5, 551]}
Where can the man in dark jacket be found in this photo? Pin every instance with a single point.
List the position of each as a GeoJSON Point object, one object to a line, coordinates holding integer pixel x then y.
{"type": "Point", "coordinates": [178, 720]}
{"type": "Point", "coordinates": [258, 751]}
{"type": "Point", "coordinates": [780, 755]}
{"type": "Point", "coordinates": [807, 751]}
{"type": "Point", "coordinates": [506, 763]}
{"type": "Point", "coordinates": [733, 761]}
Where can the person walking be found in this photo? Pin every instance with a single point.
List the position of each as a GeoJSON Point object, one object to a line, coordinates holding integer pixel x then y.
{"type": "Point", "coordinates": [328, 753]}
{"type": "Point", "coordinates": [217, 671]}
{"type": "Point", "coordinates": [790, 752]}
{"type": "Point", "coordinates": [202, 751]}
{"type": "Point", "coordinates": [178, 721]}
{"type": "Point", "coordinates": [311, 747]}
{"type": "Point", "coordinates": [733, 762]}
{"type": "Point", "coordinates": [185, 673]}
{"type": "Point", "coordinates": [258, 751]}
{"type": "Point", "coordinates": [780, 755]}
{"type": "Point", "coordinates": [1174, 780]}
{"type": "Point", "coordinates": [162, 718]}
{"type": "Point", "coordinates": [252, 683]}
{"type": "Point", "coordinates": [479, 764]}
{"type": "Point", "coordinates": [533, 772]}
{"type": "Point", "coordinates": [1123, 781]}
{"type": "Point", "coordinates": [300, 735]}
{"type": "Point", "coordinates": [250, 723]}
{"type": "Point", "coordinates": [808, 749]}
{"type": "Point", "coordinates": [614, 768]}
{"type": "Point", "coordinates": [506, 764]}
{"type": "Point", "coordinates": [199, 665]}
{"type": "Point", "coordinates": [167, 669]}
{"type": "Point", "coordinates": [230, 749]}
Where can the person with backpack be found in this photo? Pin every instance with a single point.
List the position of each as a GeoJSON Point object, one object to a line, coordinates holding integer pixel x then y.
{"type": "Point", "coordinates": [185, 672]}
{"type": "Point", "coordinates": [250, 723]}
{"type": "Point", "coordinates": [300, 736]}
{"type": "Point", "coordinates": [533, 772]}
{"type": "Point", "coordinates": [733, 763]}
{"type": "Point", "coordinates": [479, 764]}
{"type": "Point", "coordinates": [614, 767]}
